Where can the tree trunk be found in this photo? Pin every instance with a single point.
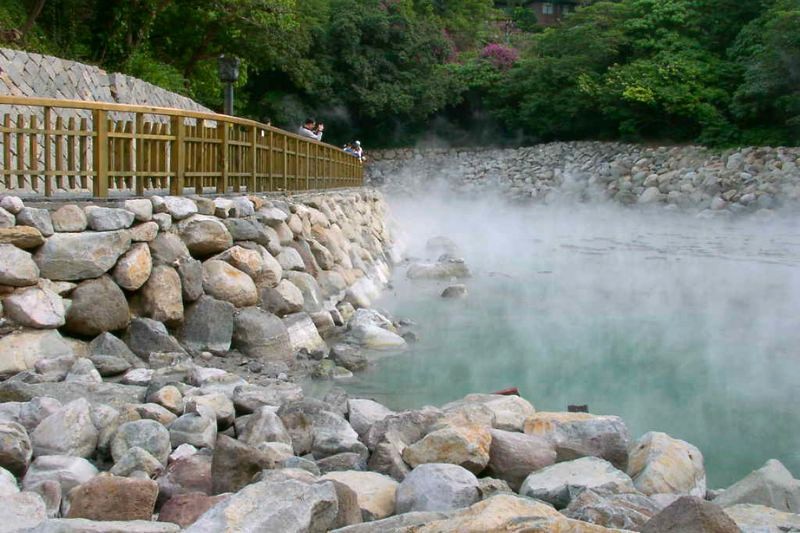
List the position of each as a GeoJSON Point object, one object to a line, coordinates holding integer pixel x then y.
{"type": "Point", "coordinates": [32, 16]}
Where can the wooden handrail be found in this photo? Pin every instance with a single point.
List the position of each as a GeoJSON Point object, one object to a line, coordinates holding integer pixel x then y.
{"type": "Point", "coordinates": [156, 150]}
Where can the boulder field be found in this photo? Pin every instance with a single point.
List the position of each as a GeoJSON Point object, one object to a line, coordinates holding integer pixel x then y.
{"type": "Point", "coordinates": [151, 351]}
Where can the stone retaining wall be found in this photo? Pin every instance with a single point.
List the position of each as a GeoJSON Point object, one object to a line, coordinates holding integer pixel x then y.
{"type": "Point", "coordinates": [266, 277]}
{"type": "Point", "coordinates": [35, 75]}
{"type": "Point", "coordinates": [688, 177]}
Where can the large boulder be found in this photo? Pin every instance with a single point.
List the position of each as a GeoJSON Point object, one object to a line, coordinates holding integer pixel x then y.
{"type": "Point", "coordinates": [204, 235]}
{"type": "Point", "coordinates": [762, 519]}
{"type": "Point", "coordinates": [690, 514]}
{"type": "Point", "coordinates": [577, 435]}
{"type": "Point", "coordinates": [193, 428]}
{"type": "Point", "coordinates": [510, 412]}
{"type": "Point", "coordinates": [145, 336]}
{"type": "Point", "coordinates": [264, 426]}
{"type": "Point", "coordinates": [283, 299]}
{"type": "Point", "coordinates": [660, 464]}
{"type": "Point", "coordinates": [68, 431]}
{"type": "Point", "coordinates": [467, 446]}
{"type": "Point", "coordinates": [107, 497]}
{"type": "Point", "coordinates": [67, 471]}
{"type": "Point", "coordinates": [389, 437]}
{"type": "Point", "coordinates": [364, 413]}
{"type": "Point", "coordinates": [286, 506]}
{"type": "Point", "coordinates": [36, 218]}
{"type": "Point", "coordinates": [375, 492]}
{"type": "Point", "coordinates": [557, 483]}
{"type": "Point", "coordinates": [225, 282]}
{"type": "Point", "coordinates": [107, 344]}
{"type": "Point", "coordinates": [108, 218]}
{"type": "Point", "coordinates": [98, 305]}
{"type": "Point", "coordinates": [21, 511]}
{"type": "Point", "coordinates": [20, 350]}
{"type": "Point", "coordinates": [208, 325]}
{"type": "Point", "coordinates": [251, 262]}
{"type": "Point", "coordinates": [35, 307]}
{"type": "Point", "coordinates": [186, 475]}
{"type": "Point", "coordinates": [502, 513]}
{"type": "Point", "coordinates": [134, 267]}
{"type": "Point", "coordinates": [162, 299]}
{"type": "Point", "coordinates": [79, 256]}
{"type": "Point", "coordinates": [437, 487]}
{"type": "Point", "coordinates": [167, 249]}
{"type": "Point", "coordinates": [15, 448]}
{"type": "Point", "coordinates": [259, 334]}
{"type": "Point", "coordinates": [771, 485]}
{"type": "Point", "coordinates": [303, 333]}
{"type": "Point", "coordinates": [22, 237]}
{"type": "Point", "coordinates": [312, 294]}
{"type": "Point", "coordinates": [625, 511]}
{"type": "Point", "coordinates": [235, 463]}
{"type": "Point", "coordinates": [148, 435]}
{"type": "Point", "coordinates": [17, 267]}
{"type": "Point", "coordinates": [513, 456]}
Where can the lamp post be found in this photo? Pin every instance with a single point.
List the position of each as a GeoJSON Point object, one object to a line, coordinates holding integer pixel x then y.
{"type": "Point", "coordinates": [228, 74]}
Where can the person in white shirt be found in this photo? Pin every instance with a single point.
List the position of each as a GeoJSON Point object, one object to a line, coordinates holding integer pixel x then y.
{"type": "Point", "coordinates": [308, 129]}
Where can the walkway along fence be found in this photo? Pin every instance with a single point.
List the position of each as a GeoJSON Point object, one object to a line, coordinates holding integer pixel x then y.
{"type": "Point", "coordinates": [53, 147]}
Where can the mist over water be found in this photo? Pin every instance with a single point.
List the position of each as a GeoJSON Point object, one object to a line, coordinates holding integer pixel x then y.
{"type": "Point", "coordinates": [675, 323]}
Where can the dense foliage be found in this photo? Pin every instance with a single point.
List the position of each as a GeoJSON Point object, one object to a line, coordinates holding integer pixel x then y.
{"type": "Point", "coordinates": [721, 72]}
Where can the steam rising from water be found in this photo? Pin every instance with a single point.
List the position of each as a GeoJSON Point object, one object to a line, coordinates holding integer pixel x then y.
{"type": "Point", "coordinates": [677, 324]}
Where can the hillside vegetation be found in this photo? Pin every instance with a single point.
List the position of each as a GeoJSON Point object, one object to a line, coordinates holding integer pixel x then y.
{"type": "Point", "coordinates": [394, 72]}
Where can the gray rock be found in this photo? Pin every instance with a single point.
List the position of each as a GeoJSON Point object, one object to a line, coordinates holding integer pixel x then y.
{"type": "Point", "coordinates": [363, 414]}
{"type": "Point", "coordinates": [69, 218]}
{"type": "Point", "coordinates": [163, 220]}
{"type": "Point", "coordinates": [513, 456]}
{"type": "Point", "coordinates": [771, 485]}
{"type": "Point", "coordinates": [177, 207]}
{"type": "Point", "coordinates": [195, 429]}
{"type": "Point", "coordinates": [12, 204]}
{"type": "Point", "coordinates": [690, 514]}
{"type": "Point", "coordinates": [68, 431]}
{"type": "Point", "coordinates": [216, 404]}
{"type": "Point", "coordinates": [167, 249]}
{"type": "Point", "coordinates": [145, 336]}
{"type": "Point", "coordinates": [399, 523]}
{"type": "Point", "coordinates": [142, 209]}
{"type": "Point", "coordinates": [68, 471]}
{"type": "Point", "coordinates": [342, 462]}
{"type": "Point", "coordinates": [112, 394]}
{"type": "Point", "coordinates": [108, 218]}
{"type": "Point", "coordinates": [262, 335]}
{"type": "Point", "coordinates": [349, 357]}
{"type": "Point", "coordinates": [208, 325]}
{"type": "Point", "coordinates": [312, 294]}
{"type": "Point", "coordinates": [557, 483]}
{"type": "Point", "coordinates": [455, 292]}
{"type": "Point", "coordinates": [17, 267]}
{"type": "Point", "coordinates": [762, 519]}
{"type": "Point", "coordinates": [78, 256]}
{"type": "Point", "coordinates": [146, 434]}
{"type": "Point", "coordinates": [191, 272]}
{"type": "Point", "coordinates": [145, 232]}
{"type": "Point", "coordinates": [107, 344]}
{"type": "Point", "coordinates": [582, 435]}
{"type": "Point", "coordinates": [264, 426]}
{"type": "Point", "coordinates": [288, 506]}
{"type": "Point", "coordinates": [7, 220]}
{"type": "Point", "coordinates": [437, 487]}
{"type": "Point", "coordinates": [35, 308]}
{"type": "Point", "coordinates": [98, 305]}
{"type": "Point", "coordinates": [375, 492]}
{"type": "Point", "coordinates": [330, 432]}
{"type": "Point", "coordinates": [290, 259]}
{"type": "Point", "coordinates": [137, 460]}
{"type": "Point", "coordinates": [36, 218]}
{"type": "Point", "coordinates": [438, 271]}
{"type": "Point", "coordinates": [235, 463]}
{"type": "Point", "coordinates": [16, 450]}
{"type": "Point", "coordinates": [204, 235]}
{"type": "Point", "coordinates": [249, 398]}
{"type": "Point", "coordinates": [18, 512]}
{"type": "Point", "coordinates": [83, 525]}
{"type": "Point", "coordinates": [110, 365]}
{"type": "Point", "coordinates": [623, 511]}
{"type": "Point", "coordinates": [281, 300]}
{"type": "Point", "coordinates": [510, 412]}
{"type": "Point", "coordinates": [303, 334]}
{"type": "Point", "coordinates": [83, 371]}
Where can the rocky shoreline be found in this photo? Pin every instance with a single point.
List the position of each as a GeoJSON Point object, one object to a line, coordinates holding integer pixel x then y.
{"type": "Point", "coordinates": [152, 352]}
{"type": "Point", "coordinates": [690, 178]}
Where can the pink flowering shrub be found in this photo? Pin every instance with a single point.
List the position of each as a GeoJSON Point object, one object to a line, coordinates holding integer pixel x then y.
{"type": "Point", "coordinates": [500, 56]}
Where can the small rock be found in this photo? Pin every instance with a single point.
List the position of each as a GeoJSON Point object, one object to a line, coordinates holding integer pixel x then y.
{"type": "Point", "coordinates": [68, 471]}
{"type": "Point", "coordinates": [142, 209]}
{"type": "Point", "coordinates": [17, 267]}
{"type": "Point", "coordinates": [235, 463]}
{"type": "Point", "coordinates": [69, 219]}
{"type": "Point", "coordinates": [21, 511]}
{"type": "Point", "coordinates": [146, 434]}
{"type": "Point", "coordinates": [68, 431]}
{"type": "Point", "coordinates": [134, 267]}
{"type": "Point", "coordinates": [455, 292]}
{"type": "Point", "coordinates": [98, 305]}
{"type": "Point", "coordinates": [15, 448]}
{"type": "Point", "coordinates": [35, 308]}
{"type": "Point", "coordinates": [36, 218]}
{"type": "Point", "coordinates": [22, 237]}
{"type": "Point", "coordinates": [375, 492]}
{"type": "Point", "coordinates": [137, 460]}
{"type": "Point", "coordinates": [108, 218]}
{"type": "Point", "coordinates": [467, 446]}
{"type": "Point", "coordinates": [224, 282]}
{"type": "Point", "coordinates": [513, 456]}
{"type": "Point", "coordinates": [161, 296]}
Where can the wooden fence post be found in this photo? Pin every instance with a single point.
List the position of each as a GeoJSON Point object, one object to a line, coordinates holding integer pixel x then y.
{"type": "Point", "coordinates": [100, 153]}
{"type": "Point", "coordinates": [222, 185]}
{"type": "Point", "coordinates": [178, 156]}
{"type": "Point", "coordinates": [253, 187]}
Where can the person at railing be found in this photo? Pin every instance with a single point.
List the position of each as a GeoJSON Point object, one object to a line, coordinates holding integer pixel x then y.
{"type": "Point", "coordinates": [358, 150]}
{"type": "Point", "coordinates": [311, 130]}
{"type": "Point", "coordinates": [348, 149]}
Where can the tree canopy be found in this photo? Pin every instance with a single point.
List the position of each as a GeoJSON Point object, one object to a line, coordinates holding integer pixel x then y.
{"type": "Point", "coordinates": [720, 72]}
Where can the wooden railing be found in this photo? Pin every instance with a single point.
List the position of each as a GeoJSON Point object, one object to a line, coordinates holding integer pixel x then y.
{"type": "Point", "coordinates": [52, 147]}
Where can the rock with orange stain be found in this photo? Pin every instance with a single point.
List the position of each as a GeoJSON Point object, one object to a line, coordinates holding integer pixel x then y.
{"type": "Point", "coordinates": [660, 464]}
{"type": "Point", "coordinates": [466, 445]}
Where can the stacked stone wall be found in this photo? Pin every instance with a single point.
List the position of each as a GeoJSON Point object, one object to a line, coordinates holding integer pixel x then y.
{"type": "Point", "coordinates": [688, 177]}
